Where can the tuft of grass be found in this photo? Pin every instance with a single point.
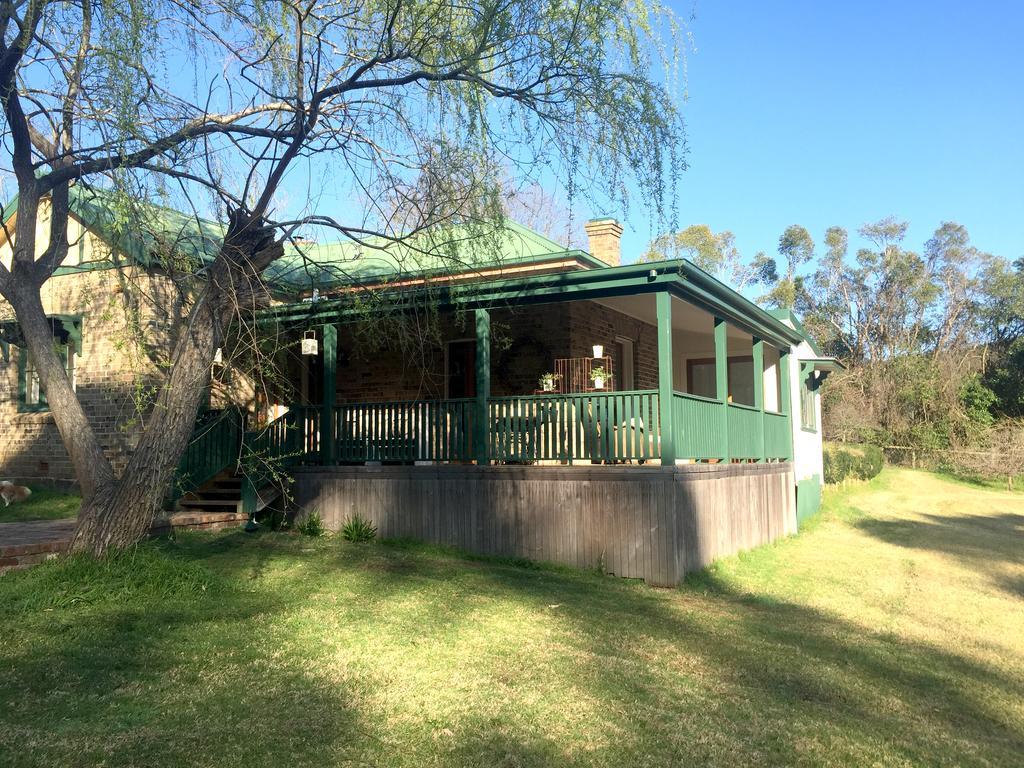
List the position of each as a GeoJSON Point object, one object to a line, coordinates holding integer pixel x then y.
{"type": "Point", "coordinates": [889, 632]}
{"type": "Point", "coordinates": [43, 504]}
{"type": "Point", "coordinates": [311, 524]}
{"type": "Point", "coordinates": [358, 530]}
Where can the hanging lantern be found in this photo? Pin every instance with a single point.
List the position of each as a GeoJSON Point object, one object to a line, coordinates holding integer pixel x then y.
{"type": "Point", "coordinates": [598, 350]}
{"type": "Point", "coordinates": [310, 346]}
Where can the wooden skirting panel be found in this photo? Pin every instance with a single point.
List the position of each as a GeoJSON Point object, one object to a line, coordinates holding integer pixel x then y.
{"type": "Point", "coordinates": [653, 523]}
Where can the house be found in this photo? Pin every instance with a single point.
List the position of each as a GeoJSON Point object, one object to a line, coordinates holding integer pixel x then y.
{"type": "Point", "coordinates": [498, 392]}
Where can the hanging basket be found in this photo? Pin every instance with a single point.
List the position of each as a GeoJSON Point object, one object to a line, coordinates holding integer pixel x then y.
{"type": "Point", "coordinates": [310, 345]}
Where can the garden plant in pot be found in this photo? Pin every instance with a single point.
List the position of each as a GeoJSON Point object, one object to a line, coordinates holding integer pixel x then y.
{"type": "Point", "coordinates": [600, 377]}
{"type": "Point", "coordinates": [548, 381]}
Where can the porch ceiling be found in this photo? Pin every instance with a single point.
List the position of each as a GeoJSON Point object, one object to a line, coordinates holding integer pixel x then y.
{"type": "Point", "coordinates": [700, 291]}
{"type": "Point", "coordinates": [685, 316]}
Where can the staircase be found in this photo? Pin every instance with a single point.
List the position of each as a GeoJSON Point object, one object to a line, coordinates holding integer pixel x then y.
{"type": "Point", "coordinates": [220, 499]}
{"type": "Point", "coordinates": [209, 490]}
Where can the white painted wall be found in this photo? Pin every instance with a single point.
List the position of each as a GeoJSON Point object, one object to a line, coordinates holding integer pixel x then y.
{"type": "Point", "coordinates": [806, 445]}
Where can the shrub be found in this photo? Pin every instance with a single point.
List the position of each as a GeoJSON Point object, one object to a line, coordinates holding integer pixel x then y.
{"type": "Point", "coordinates": [870, 463]}
{"type": "Point", "coordinates": [358, 530]}
{"type": "Point", "coordinates": [860, 462]}
{"type": "Point", "coordinates": [311, 524]}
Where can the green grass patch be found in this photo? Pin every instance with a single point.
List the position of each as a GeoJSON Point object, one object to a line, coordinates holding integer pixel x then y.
{"type": "Point", "coordinates": [43, 504]}
{"type": "Point", "coordinates": [889, 632]}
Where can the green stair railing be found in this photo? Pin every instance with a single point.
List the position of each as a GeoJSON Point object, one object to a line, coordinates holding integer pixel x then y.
{"type": "Point", "coordinates": [269, 452]}
{"type": "Point", "coordinates": [212, 449]}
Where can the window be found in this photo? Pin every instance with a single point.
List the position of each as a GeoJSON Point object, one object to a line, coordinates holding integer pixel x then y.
{"type": "Point", "coordinates": [31, 396]}
{"type": "Point", "coordinates": [626, 361]}
{"type": "Point", "coordinates": [808, 385]}
{"type": "Point", "coordinates": [701, 380]}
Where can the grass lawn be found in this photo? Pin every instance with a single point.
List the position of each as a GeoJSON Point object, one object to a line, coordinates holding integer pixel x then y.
{"type": "Point", "coordinates": [43, 504]}
{"type": "Point", "coordinates": [890, 632]}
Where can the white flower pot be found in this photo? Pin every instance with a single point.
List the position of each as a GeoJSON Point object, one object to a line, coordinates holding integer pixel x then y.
{"type": "Point", "coordinates": [549, 386]}
{"type": "Point", "coordinates": [599, 383]}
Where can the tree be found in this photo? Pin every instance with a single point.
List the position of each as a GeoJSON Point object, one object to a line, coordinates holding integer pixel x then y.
{"type": "Point", "coordinates": [796, 247]}
{"type": "Point", "coordinates": [410, 98]}
{"type": "Point", "coordinates": [714, 253]}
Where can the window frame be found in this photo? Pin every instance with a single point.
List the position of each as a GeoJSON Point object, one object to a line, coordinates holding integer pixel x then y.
{"type": "Point", "coordinates": [808, 401]}
{"type": "Point", "coordinates": [26, 367]}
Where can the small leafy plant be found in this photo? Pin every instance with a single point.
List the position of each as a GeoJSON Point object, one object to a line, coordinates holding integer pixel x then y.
{"type": "Point", "coordinates": [600, 376]}
{"type": "Point", "coordinates": [311, 525]}
{"type": "Point", "coordinates": [358, 530]}
{"type": "Point", "coordinates": [548, 381]}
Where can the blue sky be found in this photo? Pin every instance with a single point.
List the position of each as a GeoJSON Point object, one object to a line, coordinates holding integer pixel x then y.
{"type": "Point", "coordinates": [823, 113]}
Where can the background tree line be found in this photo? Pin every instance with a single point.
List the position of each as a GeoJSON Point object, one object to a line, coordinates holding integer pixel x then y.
{"type": "Point", "coordinates": [933, 339]}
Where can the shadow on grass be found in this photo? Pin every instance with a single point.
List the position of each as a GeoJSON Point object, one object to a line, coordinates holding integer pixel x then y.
{"type": "Point", "coordinates": [979, 541]}
{"type": "Point", "coordinates": [229, 665]}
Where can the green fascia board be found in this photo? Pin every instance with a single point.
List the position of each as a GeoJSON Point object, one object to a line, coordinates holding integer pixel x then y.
{"type": "Point", "coordinates": [791, 316]}
{"type": "Point", "coordinates": [629, 280]}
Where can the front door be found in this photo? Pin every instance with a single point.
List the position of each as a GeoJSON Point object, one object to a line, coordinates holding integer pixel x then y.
{"type": "Point", "coordinates": [462, 369]}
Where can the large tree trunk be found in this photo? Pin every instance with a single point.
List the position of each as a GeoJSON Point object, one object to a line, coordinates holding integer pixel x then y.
{"type": "Point", "coordinates": [117, 512]}
{"type": "Point", "coordinates": [121, 512]}
{"type": "Point", "coordinates": [91, 466]}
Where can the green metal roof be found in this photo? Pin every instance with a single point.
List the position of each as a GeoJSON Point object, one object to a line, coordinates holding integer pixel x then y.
{"type": "Point", "coordinates": [443, 251]}
{"type": "Point", "coordinates": [148, 234]}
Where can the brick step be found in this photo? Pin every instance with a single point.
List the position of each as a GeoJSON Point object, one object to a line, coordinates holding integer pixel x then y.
{"type": "Point", "coordinates": [199, 521]}
{"type": "Point", "coordinates": [212, 505]}
{"type": "Point", "coordinates": [213, 493]}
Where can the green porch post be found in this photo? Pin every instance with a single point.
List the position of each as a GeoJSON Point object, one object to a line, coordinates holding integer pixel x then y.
{"type": "Point", "coordinates": [722, 381]}
{"type": "Point", "coordinates": [329, 395]}
{"type": "Point", "coordinates": [758, 353]}
{"type": "Point", "coordinates": [668, 444]}
{"type": "Point", "coordinates": [481, 432]}
{"type": "Point", "coordinates": [785, 403]}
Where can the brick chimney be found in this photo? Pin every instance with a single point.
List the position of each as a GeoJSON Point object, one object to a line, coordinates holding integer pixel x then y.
{"type": "Point", "coordinates": [604, 236]}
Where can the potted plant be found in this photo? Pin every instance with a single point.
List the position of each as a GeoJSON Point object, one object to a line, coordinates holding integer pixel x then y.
{"type": "Point", "coordinates": [599, 376]}
{"type": "Point", "coordinates": [548, 380]}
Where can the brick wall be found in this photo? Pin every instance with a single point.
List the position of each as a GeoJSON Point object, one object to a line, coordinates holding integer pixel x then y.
{"type": "Point", "coordinates": [525, 343]}
{"type": "Point", "coordinates": [593, 324]}
{"type": "Point", "coordinates": [108, 375]}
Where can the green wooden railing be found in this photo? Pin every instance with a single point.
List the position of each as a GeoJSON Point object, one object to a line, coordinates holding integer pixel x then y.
{"type": "Point", "coordinates": [612, 426]}
{"type": "Point", "coordinates": [213, 448]}
{"type": "Point", "coordinates": [745, 431]}
{"type": "Point", "coordinates": [777, 436]}
{"type": "Point", "coordinates": [596, 426]}
{"type": "Point", "coordinates": [268, 453]}
{"type": "Point", "coordinates": [411, 430]}
{"type": "Point", "coordinates": [698, 423]}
